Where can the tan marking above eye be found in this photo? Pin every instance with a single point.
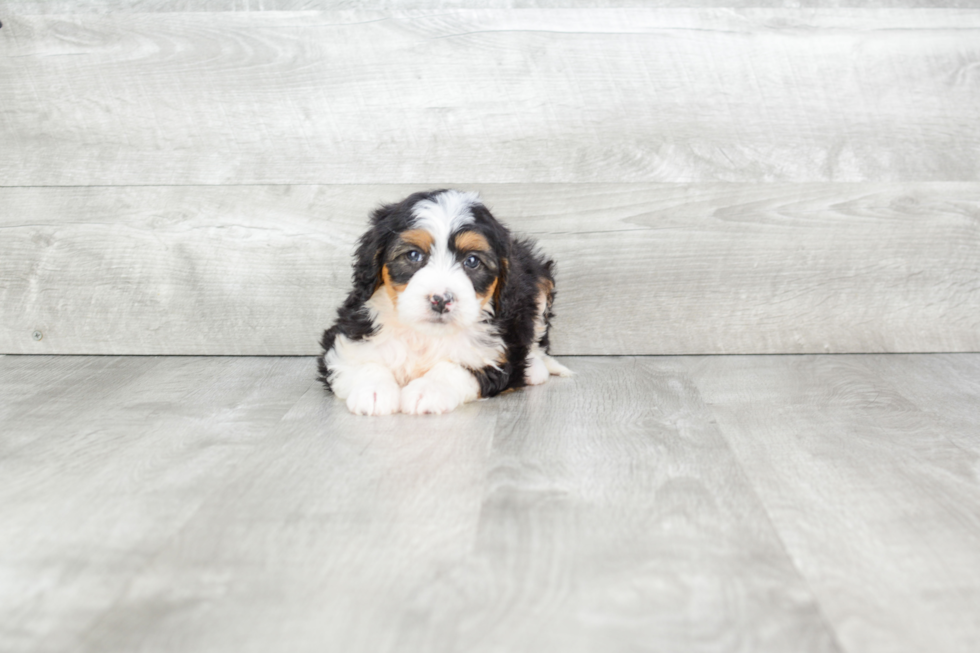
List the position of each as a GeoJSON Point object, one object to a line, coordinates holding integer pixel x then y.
{"type": "Point", "coordinates": [420, 238]}
{"type": "Point", "coordinates": [471, 241]}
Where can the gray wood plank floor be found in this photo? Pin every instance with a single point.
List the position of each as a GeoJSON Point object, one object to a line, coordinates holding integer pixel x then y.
{"type": "Point", "coordinates": [783, 503]}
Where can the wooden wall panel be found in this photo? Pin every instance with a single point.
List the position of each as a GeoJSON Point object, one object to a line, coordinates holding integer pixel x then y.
{"type": "Point", "coordinates": [47, 7]}
{"type": "Point", "coordinates": [490, 96]}
{"type": "Point", "coordinates": [179, 178]}
{"type": "Point", "coordinates": [643, 268]}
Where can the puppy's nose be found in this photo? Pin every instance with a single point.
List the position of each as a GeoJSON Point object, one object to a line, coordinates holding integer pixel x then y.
{"type": "Point", "coordinates": [441, 303]}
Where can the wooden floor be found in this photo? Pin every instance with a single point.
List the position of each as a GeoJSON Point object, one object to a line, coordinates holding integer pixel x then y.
{"type": "Point", "coordinates": [783, 503]}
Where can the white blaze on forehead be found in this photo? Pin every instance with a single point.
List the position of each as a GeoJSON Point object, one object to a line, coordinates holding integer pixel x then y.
{"type": "Point", "coordinates": [444, 214]}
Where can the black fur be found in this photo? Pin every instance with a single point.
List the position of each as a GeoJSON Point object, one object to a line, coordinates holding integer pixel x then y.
{"type": "Point", "coordinates": [521, 273]}
{"type": "Point", "coordinates": [515, 307]}
{"type": "Point", "coordinates": [352, 320]}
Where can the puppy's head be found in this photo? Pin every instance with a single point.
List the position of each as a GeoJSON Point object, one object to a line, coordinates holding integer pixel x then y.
{"type": "Point", "coordinates": [439, 257]}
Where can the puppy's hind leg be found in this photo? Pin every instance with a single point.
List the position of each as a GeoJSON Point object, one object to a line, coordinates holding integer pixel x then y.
{"type": "Point", "coordinates": [554, 367]}
{"type": "Point", "coordinates": [539, 364]}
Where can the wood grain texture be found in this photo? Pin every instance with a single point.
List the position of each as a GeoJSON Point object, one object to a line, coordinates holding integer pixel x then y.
{"type": "Point", "coordinates": [48, 7]}
{"type": "Point", "coordinates": [947, 388]}
{"type": "Point", "coordinates": [868, 469]}
{"type": "Point", "coordinates": [614, 518]}
{"type": "Point", "coordinates": [599, 513]}
{"type": "Point", "coordinates": [485, 96]}
{"type": "Point", "coordinates": [642, 268]}
{"type": "Point", "coordinates": [105, 464]}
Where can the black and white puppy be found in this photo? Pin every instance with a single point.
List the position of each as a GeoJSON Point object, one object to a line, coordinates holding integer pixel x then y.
{"type": "Point", "coordinates": [447, 307]}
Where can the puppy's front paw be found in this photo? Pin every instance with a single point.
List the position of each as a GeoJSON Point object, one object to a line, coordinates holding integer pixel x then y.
{"type": "Point", "coordinates": [374, 398]}
{"type": "Point", "coordinates": [427, 396]}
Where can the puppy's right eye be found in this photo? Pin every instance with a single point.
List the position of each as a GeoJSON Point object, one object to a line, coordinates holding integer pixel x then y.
{"type": "Point", "coordinates": [414, 255]}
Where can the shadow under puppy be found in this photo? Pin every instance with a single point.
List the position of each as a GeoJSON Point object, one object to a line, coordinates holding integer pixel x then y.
{"type": "Point", "coordinates": [447, 307]}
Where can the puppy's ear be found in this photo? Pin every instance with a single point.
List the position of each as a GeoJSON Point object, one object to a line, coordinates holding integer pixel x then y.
{"type": "Point", "coordinates": [502, 274]}
{"type": "Point", "coordinates": [369, 256]}
{"type": "Point", "coordinates": [503, 246]}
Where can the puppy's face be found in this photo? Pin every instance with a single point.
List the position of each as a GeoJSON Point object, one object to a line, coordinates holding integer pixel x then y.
{"type": "Point", "coordinates": [441, 272]}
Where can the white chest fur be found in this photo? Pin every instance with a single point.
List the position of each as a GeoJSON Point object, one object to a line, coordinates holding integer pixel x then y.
{"type": "Point", "coordinates": [409, 353]}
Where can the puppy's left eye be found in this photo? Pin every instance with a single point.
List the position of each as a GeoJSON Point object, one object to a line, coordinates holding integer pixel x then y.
{"type": "Point", "coordinates": [471, 262]}
{"type": "Point", "coordinates": [414, 256]}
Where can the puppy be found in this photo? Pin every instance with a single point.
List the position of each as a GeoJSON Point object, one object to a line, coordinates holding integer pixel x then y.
{"type": "Point", "coordinates": [447, 307]}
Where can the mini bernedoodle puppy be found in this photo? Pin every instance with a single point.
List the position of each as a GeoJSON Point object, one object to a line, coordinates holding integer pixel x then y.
{"type": "Point", "coordinates": [447, 307]}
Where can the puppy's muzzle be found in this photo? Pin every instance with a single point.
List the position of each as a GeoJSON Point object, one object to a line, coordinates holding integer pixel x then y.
{"type": "Point", "coordinates": [441, 303]}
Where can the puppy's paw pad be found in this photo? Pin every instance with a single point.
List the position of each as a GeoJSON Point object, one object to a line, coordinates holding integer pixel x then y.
{"type": "Point", "coordinates": [374, 399]}
{"type": "Point", "coordinates": [536, 372]}
{"type": "Point", "coordinates": [423, 396]}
